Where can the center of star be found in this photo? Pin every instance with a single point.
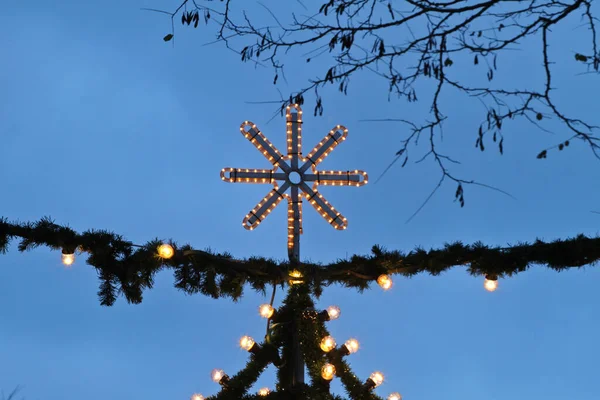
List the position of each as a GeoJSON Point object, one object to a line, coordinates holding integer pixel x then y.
{"type": "Point", "coordinates": [295, 178]}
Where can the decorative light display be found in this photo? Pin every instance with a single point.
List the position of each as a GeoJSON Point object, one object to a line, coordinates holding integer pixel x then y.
{"type": "Point", "coordinates": [295, 172]}
{"type": "Point", "coordinates": [296, 332]}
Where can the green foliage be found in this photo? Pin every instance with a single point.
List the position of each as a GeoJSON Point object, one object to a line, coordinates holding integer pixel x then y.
{"type": "Point", "coordinates": [297, 315]}
{"type": "Point", "coordinates": [127, 269]}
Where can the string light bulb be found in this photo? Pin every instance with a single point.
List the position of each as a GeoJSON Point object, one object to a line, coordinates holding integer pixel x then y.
{"type": "Point", "coordinates": [490, 283]}
{"type": "Point", "coordinates": [375, 379]}
{"type": "Point", "coordinates": [328, 371]}
{"type": "Point", "coordinates": [248, 344]}
{"type": "Point", "coordinates": [329, 314]}
{"type": "Point", "coordinates": [264, 391]}
{"type": "Point", "coordinates": [384, 281]}
{"type": "Point", "coordinates": [197, 396]}
{"type": "Point", "coordinates": [327, 344]}
{"type": "Point", "coordinates": [165, 251]}
{"type": "Point", "coordinates": [68, 256]}
{"type": "Point", "coordinates": [395, 396]}
{"type": "Point", "coordinates": [333, 312]}
{"type": "Point", "coordinates": [351, 346]}
{"type": "Point", "coordinates": [266, 310]}
{"type": "Point", "coordinates": [219, 376]}
{"type": "Point", "coordinates": [297, 275]}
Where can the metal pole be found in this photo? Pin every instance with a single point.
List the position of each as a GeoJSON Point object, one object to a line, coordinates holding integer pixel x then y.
{"type": "Point", "coordinates": [294, 252]}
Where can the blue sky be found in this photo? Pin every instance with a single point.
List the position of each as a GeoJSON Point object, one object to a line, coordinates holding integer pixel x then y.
{"type": "Point", "coordinates": [103, 125]}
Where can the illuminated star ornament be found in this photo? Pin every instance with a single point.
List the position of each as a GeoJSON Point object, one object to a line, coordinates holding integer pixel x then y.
{"type": "Point", "coordinates": [292, 175]}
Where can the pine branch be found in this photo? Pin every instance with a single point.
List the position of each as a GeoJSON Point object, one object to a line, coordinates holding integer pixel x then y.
{"type": "Point", "coordinates": [127, 269]}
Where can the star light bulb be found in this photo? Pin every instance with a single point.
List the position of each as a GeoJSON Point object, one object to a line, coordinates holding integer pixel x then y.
{"type": "Point", "coordinates": [197, 396]}
{"type": "Point", "coordinates": [165, 251]}
{"type": "Point", "coordinates": [333, 312]}
{"type": "Point", "coordinates": [490, 283]}
{"type": "Point", "coordinates": [327, 344]}
{"type": "Point", "coordinates": [384, 281]}
{"type": "Point", "coordinates": [395, 396]}
{"type": "Point", "coordinates": [266, 310]}
{"type": "Point", "coordinates": [328, 371]}
{"type": "Point", "coordinates": [264, 391]}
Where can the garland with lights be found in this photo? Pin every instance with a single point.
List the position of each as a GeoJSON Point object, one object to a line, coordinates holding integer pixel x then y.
{"type": "Point", "coordinates": [127, 269]}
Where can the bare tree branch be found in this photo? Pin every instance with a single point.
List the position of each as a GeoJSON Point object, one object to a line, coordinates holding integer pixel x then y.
{"type": "Point", "coordinates": [363, 36]}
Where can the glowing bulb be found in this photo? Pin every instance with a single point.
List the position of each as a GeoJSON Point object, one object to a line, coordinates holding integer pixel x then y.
{"type": "Point", "coordinates": [491, 283]}
{"type": "Point", "coordinates": [384, 281]}
{"type": "Point", "coordinates": [377, 378]}
{"type": "Point", "coordinates": [264, 391]}
{"type": "Point", "coordinates": [328, 371]}
{"type": "Point", "coordinates": [217, 375]}
{"type": "Point", "coordinates": [68, 258]}
{"type": "Point", "coordinates": [395, 396]}
{"type": "Point", "coordinates": [197, 396]}
{"type": "Point", "coordinates": [266, 310]}
{"type": "Point", "coordinates": [327, 344]}
{"type": "Point", "coordinates": [296, 274]}
{"type": "Point", "coordinates": [333, 312]}
{"type": "Point", "coordinates": [351, 345]}
{"type": "Point", "coordinates": [166, 251]}
{"type": "Point", "coordinates": [246, 343]}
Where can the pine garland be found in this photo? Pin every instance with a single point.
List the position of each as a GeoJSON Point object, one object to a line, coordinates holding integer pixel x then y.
{"type": "Point", "coordinates": [238, 385]}
{"type": "Point", "coordinates": [127, 269]}
{"type": "Point", "coordinates": [298, 305]}
{"type": "Point", "coordinates": [313, 330]}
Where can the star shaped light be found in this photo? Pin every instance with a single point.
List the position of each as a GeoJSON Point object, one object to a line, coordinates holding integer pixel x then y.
{"type": "Point", "coordinates": [295, 172]}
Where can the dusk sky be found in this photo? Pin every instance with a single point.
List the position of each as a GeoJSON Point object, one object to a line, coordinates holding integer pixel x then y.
{"type": "Point", "coordinates": [106, 126]}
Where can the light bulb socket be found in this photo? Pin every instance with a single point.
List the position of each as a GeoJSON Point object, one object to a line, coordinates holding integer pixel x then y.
{"type": "Point", "coordinates": [324, 316]}
{"type": "Point", "coordinates": [491, 277]}
{"type": "Point", "coordinates": [69, 250]}
{"type": "Point", "coordinates": [224, 381]}
{"type": "Point", "coordinates": [255, 349]}
{"type": "Point", "coordinates": [370, 384]}
{"type": "Point", "coordinates": [344, 350]}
